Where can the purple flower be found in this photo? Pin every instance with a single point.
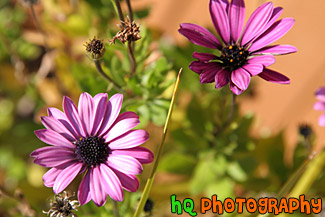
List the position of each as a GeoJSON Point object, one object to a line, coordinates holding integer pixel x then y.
{"type": "Point", "coordinates": [244, 51]}
{"type": "Point", "coordinates": [320, 105]}
{"type": "Point", "coordinates": [96, 141]}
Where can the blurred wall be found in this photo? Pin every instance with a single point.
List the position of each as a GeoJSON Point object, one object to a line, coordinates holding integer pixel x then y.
{"type": "Point", "coordinates": [276, 106]}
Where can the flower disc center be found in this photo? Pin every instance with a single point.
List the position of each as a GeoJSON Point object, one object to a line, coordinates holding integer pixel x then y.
{"type": "Point", "coordinates": [233, 57]}
{"type": "Point", "coordinates": [92, 150]}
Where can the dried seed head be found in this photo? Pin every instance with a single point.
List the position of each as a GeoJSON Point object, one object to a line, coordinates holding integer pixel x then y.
{"type": "Point", "coordinates": [62, 206]}
{"type": "Point", "coordinates": [95, 48]}
{"type": "Point", "coordinates": [130, 31]}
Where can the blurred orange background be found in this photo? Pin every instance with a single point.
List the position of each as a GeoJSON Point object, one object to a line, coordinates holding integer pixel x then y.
{"type": "Point", "coordinates": [277, 107]}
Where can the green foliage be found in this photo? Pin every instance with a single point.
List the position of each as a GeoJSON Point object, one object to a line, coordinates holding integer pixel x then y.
{"type": "Point", "coordinates": [208, 151]}
{"type": "Point", "coordinates": [11, 40]}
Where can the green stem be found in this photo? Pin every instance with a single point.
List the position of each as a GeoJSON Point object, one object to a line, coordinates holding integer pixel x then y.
{"type": "Point", "coordinates": [104, 75]}
{"type": "Point", "coordinates": [119, 10]}
{"type": "Point", "coordinates": [231, 114]}
{"type": "Point", "coordinates": [128, 2]}
{"type": "Point", "coordinates": [39, 27]}
{"type": "Point", "coordinates": [150, 180]}
{"type": "Point", "coordinates": [308, 173]}
{"type": "Point", "coordinates": [308, 178]}
{"type": "Point", "coordinates": [115, 209]}
{"type": "Point", "coordinates": [133, 63]}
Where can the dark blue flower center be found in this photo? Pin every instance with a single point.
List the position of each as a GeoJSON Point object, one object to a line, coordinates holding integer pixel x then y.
{"type": "Point", "coordinates": [233, 57]}
{"type": "Point", "coordinates": [92, 150]}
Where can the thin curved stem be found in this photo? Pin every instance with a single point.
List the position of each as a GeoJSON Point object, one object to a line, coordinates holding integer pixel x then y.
{"type": "Point", "coordinates": [128, 2]}
{"type": "Point", "coordinates": [303, 178]}
{"type": "Point", "coordinates": [133, 63]}
{"type": "Point", "coordinates": [115, 209]}
{"type": "Point", "coordinates": [105, 76]}
{"type": "Point", "coordinates": [150, 180]}
{"type": "Point", "coordinates": [119, 10]}
{"type": "Point", "coordinates": [39, 27]}
{"type": "Point", "coordinates": [232, 109]}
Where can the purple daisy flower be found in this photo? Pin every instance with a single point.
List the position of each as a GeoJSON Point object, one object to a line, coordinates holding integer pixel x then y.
{"type": "Point", "coordinates": [93, 139]}
{"type": "Point", "coordinates": [320, 105]}
{"type": "Point", "coordinates": [245, 51]}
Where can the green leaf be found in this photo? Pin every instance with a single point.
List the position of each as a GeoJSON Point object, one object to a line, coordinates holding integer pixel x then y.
{"type": "Point", "coordinates": [236, 172]}
{"type": "Point", "coordinates": [158, 114]}
{"type": "Point", "coordinates": [207, 172]}
{"type": "Point", "coordinates": [181, 163]}
{"type": "Point", "coordinates": [223, 188]}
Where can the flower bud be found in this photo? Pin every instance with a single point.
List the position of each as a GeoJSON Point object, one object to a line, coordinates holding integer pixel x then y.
{"type": "Point", "coordinates": [95, 49]}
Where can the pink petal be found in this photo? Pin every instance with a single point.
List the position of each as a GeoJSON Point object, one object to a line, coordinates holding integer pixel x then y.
{"type": "Point", "coordinates": [53, 138]}
{"type": "Point", "coordinates": [321, 120]}
{"type": "Point", "coordinates": [203, 57]}
{"type": "Point", "coordinates": [51, 150]}
{"type": "Point", "coordinates": [66, 177]}
{"type": "Point", "coordinates": [125, 164]}
{"type": "Point", "coordinates": [257, 21]}
{"type": "Point", "coordinates": [50, 176]}
{"type": "Point", "coordinates": [220, 20]}
{"type": "Point", "coordinates": [142, 154]}
{"type": "Point", "coordinates": [55, 125]}
{"type": "Point", "coordinates": [199, 35]}
{"type": "Point", "coordinates": [207, 76]}
{"type": "Point", "coordinates": [128, 182]}
{"type": "Point", "coordinates": [241, 78]}
{"type": "Point", "coordinates": [100, 101]}
{"type": "Point", "coordinates": [276, 31]}
{"type": "Point", "coordinates": [221, 78]}
{"type": "Point", "coordinates": [61, 117]}
{"type": "Point", "coordinates": [265, 60]}
{"type": "Point", "coordinates": [274, 77]}
{"type": "Point", "coordinates": [84, 189]}
{"type": "Point", "coordinates": [275, 15]}
{"type": "Point", "coordinates": [53, 153]}
{"type": "Point", "coordinates": [97, 191]}
{"type": "Point", "coordinates": [111, 183]}
{"type": "Point", "coordinates": [235, 89]}
{"type": "Point", "coordinates": [320, 94]}
{"type": "Point", "coordinates": [55, 161]}
{"type": "Point", "coordinates": [125, 122]}
{"type": "Point", "coordinates": [199, 67]}
{"type": "Point", "coordinates": [56, 113]}
{"type": "Point", "coordinates": [253, 69]}
{"type": "Point", "coordinates": [277, 50]}
{"type": "Point", "coordinates": [130, 139]}
{"type": "Point", "coordinates": [225, 5]}
{"type": "Point", "coordinates": [319, 106]}
{"type": "Point", "coordinates": [236, 18]}
{"type": "Point", "coordinates": [112, 111]}
{"type": "Point", "coordinates": [86, 112]}
{"type": "Point", "coordinates": [71, 112]}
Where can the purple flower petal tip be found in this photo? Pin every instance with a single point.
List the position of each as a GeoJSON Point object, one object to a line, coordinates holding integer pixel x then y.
{"type": "Point", "coordinates": [274, 77]}
{"type": "Point", "coordinates": [199, 35]}
{"type": "Point", "coordinates": [320, 105]}
{"type": "Point", "coordinates": [320, 94]}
